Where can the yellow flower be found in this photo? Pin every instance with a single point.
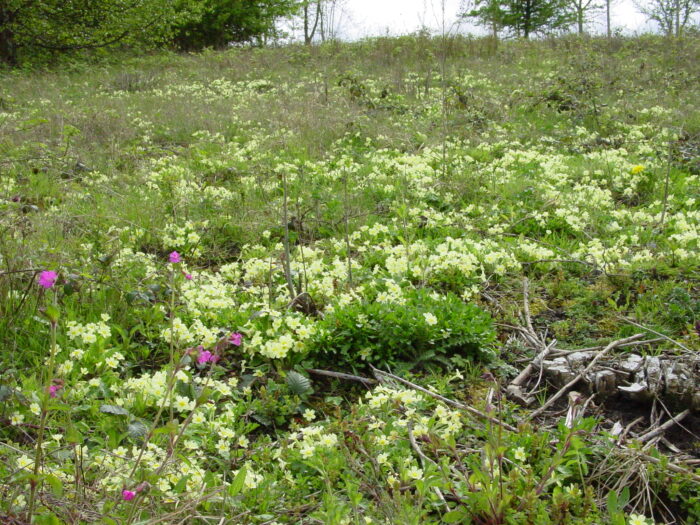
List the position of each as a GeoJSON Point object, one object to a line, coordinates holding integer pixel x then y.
{"type": "Point", "coordinates": [637, 169]}
{"type": "Point", "coordinates": [23, 462]}
{"type": "Point", "coordinates": [414, 473]}
{"type": "Point", "coordinates": [430, 319]}
{"type": "Point", "coordinates": [637, 519]}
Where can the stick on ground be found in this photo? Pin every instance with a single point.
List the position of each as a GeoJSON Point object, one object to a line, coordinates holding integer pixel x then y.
{"type": "Point", "coordinates": [581, 374]}
{"type": "Point", "coordinates": [471, 410]}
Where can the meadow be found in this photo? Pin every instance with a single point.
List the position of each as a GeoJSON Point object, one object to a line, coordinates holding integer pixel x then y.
{"type": "Point", "coordinates": [292, 285]}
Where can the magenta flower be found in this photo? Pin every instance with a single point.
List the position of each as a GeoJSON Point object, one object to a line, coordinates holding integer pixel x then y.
{"type": "Point", "coordinates": [205, 357]}
{"type": "Point", "coordinates": [47, 279]}
{"type": "Point", "coordinates": [236, 339]}
{"type": "Point", "coordinates": [53, 390]}
{"type": "Point", "coordinates": [174, 258]}
{"type": "Point", "coordinates": [188, 276]}
{"type": "Point", "coordinates": [128, 495]}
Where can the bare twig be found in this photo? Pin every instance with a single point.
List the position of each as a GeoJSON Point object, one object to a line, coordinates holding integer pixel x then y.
{"type": "Point", "coordinates": [627, 429]}
{"type": "Point", "coordinates": [670, 466]}
{"type": "Point", "coordinates": [668, 177]}
{"type": "Point", "coordinates": [581, 374]}
{"type": "Point", "coordinates": [26, 270]}
{"type": "Point", "coordinates": [679, 345]}
{"type": "Point", "coordinates": [526, 307]}
{"type": "Point", "coordinates": [471, 410]}
{"type": "Point", "coordinates": [561, 352]}
{"type": "Point", "coordinates": [423, 460]}
{"type": "Point", "coordinates": [536, 362]}
{"type": "Point", "coordinates": [515, 390]}
{"type": "Point", "coordinates": [341, 375]}
{"type": "Point", "coordinates": [662, 428]}
{"type": "Point", "coordinates": [287, 253]}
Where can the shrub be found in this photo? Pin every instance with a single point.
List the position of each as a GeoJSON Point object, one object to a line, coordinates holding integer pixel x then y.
{"type": "Point", "coordinates": [423, 328]}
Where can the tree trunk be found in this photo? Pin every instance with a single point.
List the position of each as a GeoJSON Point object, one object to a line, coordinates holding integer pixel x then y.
{"type": "Point", "coordinates": [8, 48]}
{"type": "Point", "coordinates": [526, 19]}
{"type": "Point", "coordinates": [310, 32]}
{"type": "Point", "coordinates": [579, 17]}
{"type": "Point", "coordinates": [607, 17]}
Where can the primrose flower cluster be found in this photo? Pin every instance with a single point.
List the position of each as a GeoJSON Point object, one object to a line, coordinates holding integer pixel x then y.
{"type": "Point", "coordinates": [207, 257]}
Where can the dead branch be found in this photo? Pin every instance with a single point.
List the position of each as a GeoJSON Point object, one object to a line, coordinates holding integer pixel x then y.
{"type": "Point", "coordinates": [466, 408]}
{"type": "Point", "coordinates": [662, 428]}
{"type": "Point", "coordinates": [580, 375]}
{"type": "Point", "coordinates": [557, 352]}
{"type": "Point", "coordinates": [514, 389]}
{"type": "Point", "coordinates": [423, 460]}
{"type": "Point", "coordinates": [341, 375]}
{"type": "Point", "coordinates": [634, 323]}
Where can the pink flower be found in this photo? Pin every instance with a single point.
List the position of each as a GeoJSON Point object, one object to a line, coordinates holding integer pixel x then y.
{"type": "Point", "coordinates": [128, 495]}
{"type": "Point", "coordinates": [188, 276]}
{"type": "Point", "coordinates": [205, 356]}
{"type": "Point", "coordinates": [47, 279]}
{"type": "Point", "coordinates": [236, 339]}
{"type": "Point", "coordinates": [53, 390]}
{"type": "Point", "coordinates": [174, 258]}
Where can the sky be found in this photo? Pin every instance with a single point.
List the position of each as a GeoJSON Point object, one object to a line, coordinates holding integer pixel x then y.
{"type": "Point", "coordinates": [361, 18]}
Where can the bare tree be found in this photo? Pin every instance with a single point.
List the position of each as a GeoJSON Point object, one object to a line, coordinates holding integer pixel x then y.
{"type": "Point", "coordinates": [312, 12]}
{"type": "Point", "coordinates": [333, 14]}
{"type": "Point", "coordinates": [672, 15]}
{"type": "Point", "coordinates": [582, 9]}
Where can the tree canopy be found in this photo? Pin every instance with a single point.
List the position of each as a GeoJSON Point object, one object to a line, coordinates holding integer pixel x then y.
{"type": "Point", "coordinates": [221, 22]}
{"type": "Point", "coordinates": [522, 17]}
{"type": "Point", "coordinates": [32, 27]}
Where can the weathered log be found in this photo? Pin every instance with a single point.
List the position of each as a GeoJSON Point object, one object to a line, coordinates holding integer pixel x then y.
{"type": "Point", "coordinates": [673, 379]}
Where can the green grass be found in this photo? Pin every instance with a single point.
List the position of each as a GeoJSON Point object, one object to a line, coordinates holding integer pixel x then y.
{"type": "Point", "coordinates": [324, 200]}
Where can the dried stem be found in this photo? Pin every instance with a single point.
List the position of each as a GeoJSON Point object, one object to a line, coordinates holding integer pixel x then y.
{"type": "Point", "coordinates": [581, 374]}
{"type": "Point", "coordinates": [466, 408]}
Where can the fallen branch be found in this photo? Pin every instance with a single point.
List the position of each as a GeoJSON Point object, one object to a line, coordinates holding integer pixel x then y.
{"type": "Point", "coordinates": [670, 466]}
{"type": "Point", "coordinates": [667, 338]}
{"type": "Point", "coordinates": [558, 352]}
{"type": "Point", "coordinates": [447, 401]}
{"type": "Point", "coordinates": [514, 389]}
{"type": "Point", "coordinates": [341, 375]}
{"type": "Point", "coordinates": [526, 307]}
{"type": "Point", "coordinates": [423, 460]}
{"type": "Point", "coordinates": [662, 428]}
{"type": "Point", "coordinates": [581, 374]}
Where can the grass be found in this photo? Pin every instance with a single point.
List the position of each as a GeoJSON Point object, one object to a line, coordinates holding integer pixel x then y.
{"type": "Point", "coordinates": [325, 198]}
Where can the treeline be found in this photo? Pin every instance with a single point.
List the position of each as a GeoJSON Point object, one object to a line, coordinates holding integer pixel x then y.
{"type": "Point", "coordinates": [31, 29]}
{"type": "Point", "coordinates": [524, 18]}
{"type": "Point", "coordinates": [38, 30]}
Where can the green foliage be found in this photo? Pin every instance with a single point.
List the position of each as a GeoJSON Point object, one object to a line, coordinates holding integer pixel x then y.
{"type": "Point", "coordinates": [385, 334]}
{"type": "Point", "coordinates": [298, 384]}
{"type": "Point", "coordinates": [523, 17]}
{"type": "Point", "coordinates": [50, 26]}
{"type": "Point", "coordinates": [223, 22]}
{"type": "Point", "coordinates": [412, 197]}
{"type": "Point", "coordinates": [276, 403]}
